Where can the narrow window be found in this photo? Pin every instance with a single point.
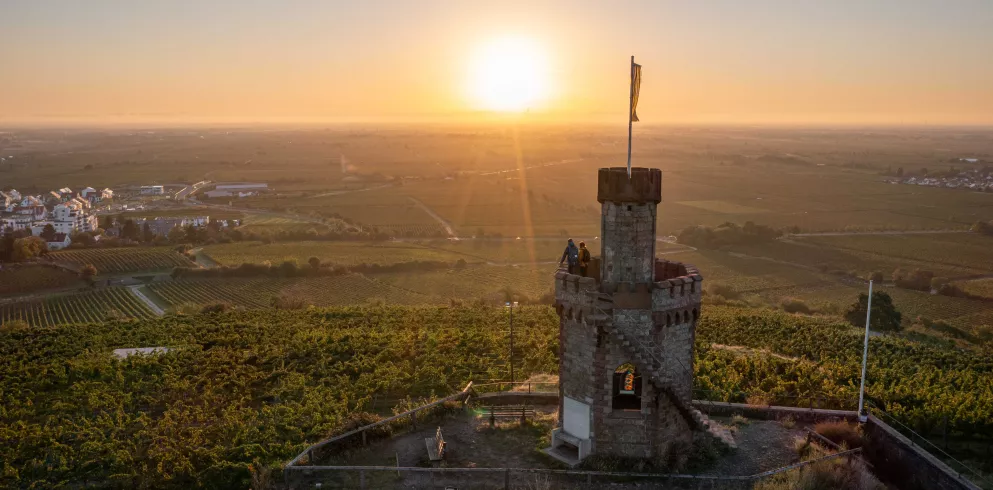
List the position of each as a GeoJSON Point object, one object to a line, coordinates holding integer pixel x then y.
{"type": "Point", "coordinates": [627, 388]}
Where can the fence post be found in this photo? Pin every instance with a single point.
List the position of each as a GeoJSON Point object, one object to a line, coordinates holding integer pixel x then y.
{"type": "Point", "coordinates": [413, 420]}
{"type": "Point", "coordinates": [362, 479]}
{"type": "Point", "coordinates": [363, 438]}
{"type": "Point", "coordinates": [506, 479]}
{"type": "Point", "coordinates": [944, 431]}
{"type": "Point", "coordinates": [310, 456]}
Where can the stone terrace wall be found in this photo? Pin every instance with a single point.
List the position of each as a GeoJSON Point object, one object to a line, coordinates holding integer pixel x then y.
{"type": "Point", "coordinates": [898, 460]}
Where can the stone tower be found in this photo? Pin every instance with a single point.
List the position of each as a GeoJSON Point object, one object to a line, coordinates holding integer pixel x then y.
{"type": "Point", "coordinates": [626, 335]}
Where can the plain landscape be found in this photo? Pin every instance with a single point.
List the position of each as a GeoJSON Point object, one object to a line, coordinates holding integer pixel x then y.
{"type": "Point", "coordinates": [375, 263]}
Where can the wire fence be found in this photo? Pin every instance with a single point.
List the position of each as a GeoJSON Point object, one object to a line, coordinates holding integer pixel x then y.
{"type": "Point", "coordinates": [363, 477]}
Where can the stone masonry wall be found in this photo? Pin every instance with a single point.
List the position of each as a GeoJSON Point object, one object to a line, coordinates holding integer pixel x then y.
{"type": "Point", "coordinates": [628, 243]}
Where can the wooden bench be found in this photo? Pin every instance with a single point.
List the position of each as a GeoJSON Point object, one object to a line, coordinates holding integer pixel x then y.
{"type": "Point", "coordinates": [436, 446]}
{"type": "Point", "coordinates": [509, 411]}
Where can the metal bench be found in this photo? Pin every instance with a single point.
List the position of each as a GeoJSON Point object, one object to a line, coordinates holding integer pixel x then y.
{"type": "Point", "coordinates": [509, 411]}
{"type": "Point", "coordinates": [436, 446]}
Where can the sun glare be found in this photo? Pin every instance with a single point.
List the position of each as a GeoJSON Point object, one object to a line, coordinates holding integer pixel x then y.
{"type": "Point", "coordinates": [509, 75]}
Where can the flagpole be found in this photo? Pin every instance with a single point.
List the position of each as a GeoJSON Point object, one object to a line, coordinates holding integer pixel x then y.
{"type": "Point", "coordinates": [630, 111]}
{"type": "Point", "coordinates": [865, 353]}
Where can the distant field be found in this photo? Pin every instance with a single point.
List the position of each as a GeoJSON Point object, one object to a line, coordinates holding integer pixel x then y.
{"type": "Point", "coordinates": [181, 211]}
{"type": "Point", "coordinates": [947, 255]}
{"type": "Point", "coordinates": [979, 287]}
{"type": "Point", "coordinates": [23, 280]}
{"type": "Point", "coordinates": [123, 259]}
{"type": "Point", "coordinates": [90, 306]}
{"type": "Point", "coordinates": [337, 252]}
{"type": "Point", "coordinates": [478, 282]}
{"type": "Point", "coordinates": [258, 293]}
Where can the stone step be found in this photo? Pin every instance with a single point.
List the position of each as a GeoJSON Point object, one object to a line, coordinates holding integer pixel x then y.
{"type": "Point", "coordinates": [715, 431]}
{"type": "Point", "coordinates": [564, 456]}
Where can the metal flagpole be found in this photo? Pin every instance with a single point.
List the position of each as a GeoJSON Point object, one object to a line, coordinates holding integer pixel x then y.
{"type": "Point", "coordinates": [865, 353]}
{"type": "Point", "coordinates": [630, 112]}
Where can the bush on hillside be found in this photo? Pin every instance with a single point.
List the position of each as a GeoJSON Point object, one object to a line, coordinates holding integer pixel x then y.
{"type": "Point", "coordinates": [917, 279]}
{"type": "Point", "coordinates": [289, 302]}
{"type": "Point", "coordinates": [219, 307]}
{"type": "Point", "coordinates": [983, 227]}
{"type": "Point", "coordinates": [842, 433]}
{"type": "Point", "coordinates": [727, 234]}
{"type": "Point", "coordinates": [721, 289]}
{"type": "Point", "coordinates": [795, 305]}
{"type": "Point", "coordinates": [884, 318]}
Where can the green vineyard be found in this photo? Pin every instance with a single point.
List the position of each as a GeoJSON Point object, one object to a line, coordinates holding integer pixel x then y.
{"type": "Point", "coordinates": [91, 306]}
{"type": "Point", "coordinates": [125, 259]}
{"type": "Point", "coordinates": [259, 293]}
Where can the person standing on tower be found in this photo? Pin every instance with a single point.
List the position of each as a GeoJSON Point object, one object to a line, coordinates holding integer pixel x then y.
{"type": "Point", "coordinates": [584, 258]}
{"type": "Point", "coordinates": [571, 254]}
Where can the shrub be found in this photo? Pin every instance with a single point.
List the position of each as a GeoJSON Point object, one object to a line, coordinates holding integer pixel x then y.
{"type": "Point", "coordinates": [289, 302]}
{"type": "Point", "coordinates": [876, 276]}
{"type": "Point", "coordinates": [917, 279]}
{"type": "Point", "coordinates": [727, 234]}
{"type": "Point", "coordinates": [219, 307]}
{"type": "Point", "coordinates": [795, 305]}
{"type": "Point", "coordinates": [14, 326]}
{"type": "Point", "coordinates": [885, 316]}
{"type": "Point", "coordinates": [841, 432]}
{"type": "Point", "coordinates": [722, 289]}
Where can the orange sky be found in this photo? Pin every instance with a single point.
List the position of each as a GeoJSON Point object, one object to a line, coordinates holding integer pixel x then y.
{"type": "Point", "coordinates": [764, 61]}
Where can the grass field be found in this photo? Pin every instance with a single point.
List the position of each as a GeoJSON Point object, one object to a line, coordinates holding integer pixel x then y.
{"type": "Point", "coordinates": [90, 306]}
{"type": "Point", "coordinates": [490, 283]}
{"type": "Point", "coordinates": [948, 255]}
{"type": "Point", "coordinates": [337, 252]}
{"type": "Point", "coordinates": [979, 287]}
{"type": "Point", "coordinates": [258, 293]}
{"type": "Point", "coordinates": [122, 260]}
{"type": "Point", "coordinates": [23, 280]}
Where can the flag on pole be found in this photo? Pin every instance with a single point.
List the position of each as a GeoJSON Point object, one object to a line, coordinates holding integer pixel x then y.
{"type": "Point", "coordinates": [635, 88]}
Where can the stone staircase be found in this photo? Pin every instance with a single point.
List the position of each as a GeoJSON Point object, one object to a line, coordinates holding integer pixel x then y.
{"type": "Point", "coordinates": [641, 353]}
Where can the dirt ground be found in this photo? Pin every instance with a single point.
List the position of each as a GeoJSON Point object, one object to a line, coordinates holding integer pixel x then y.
{"type": "Point", "coordinates": [762, 445]}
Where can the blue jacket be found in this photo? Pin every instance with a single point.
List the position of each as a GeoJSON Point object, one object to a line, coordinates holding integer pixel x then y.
{"type": "Point", "coordinates": [571, 253]}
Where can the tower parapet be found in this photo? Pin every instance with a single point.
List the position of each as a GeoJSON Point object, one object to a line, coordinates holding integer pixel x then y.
{"type": "Point", "coordinates": [626, 337]}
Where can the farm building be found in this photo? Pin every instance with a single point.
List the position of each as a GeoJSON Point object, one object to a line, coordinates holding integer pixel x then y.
{"type": "Point", "coordinates": [151, 190]}
{"type": "Point", "coordinates": [60, 242]}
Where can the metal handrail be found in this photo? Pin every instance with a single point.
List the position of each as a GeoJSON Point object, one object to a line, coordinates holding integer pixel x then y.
{"type": "Point", "coordinates": [410, 413]}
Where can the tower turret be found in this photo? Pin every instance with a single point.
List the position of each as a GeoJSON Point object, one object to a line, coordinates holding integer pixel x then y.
{"type": "Point", "coordinates": [626, 335]}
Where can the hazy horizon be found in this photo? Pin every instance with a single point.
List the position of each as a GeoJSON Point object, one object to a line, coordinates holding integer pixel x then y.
{"type": "Point", "coordinates": [771, 62]}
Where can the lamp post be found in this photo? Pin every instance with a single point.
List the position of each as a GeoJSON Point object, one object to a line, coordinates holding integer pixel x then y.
{"type": "Point", "coordinates": [865, 354]}
{"type": "Point", "coordinates": [510, 305]}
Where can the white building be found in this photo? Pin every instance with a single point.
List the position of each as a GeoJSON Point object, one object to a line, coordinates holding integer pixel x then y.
{"type": "Point", "coordinates": [151, 190]}
{"type": "Point", "coordinates": [61, 241]}
{"type": "Point", "coordinates": [243, 186]}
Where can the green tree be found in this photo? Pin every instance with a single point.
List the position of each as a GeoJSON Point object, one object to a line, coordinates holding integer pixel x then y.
{"type": "Point", "coordinates": [884, 318]}
{"type": "Point", "coordinates": [48, 233]}
{"type": "Point", "coordinates": [314, 262]}
{"type": "Point", "coordinates": [28, 248]}
{"type": "Point", "coordinates": [130, 230]}
{"type": "Point", "coordinates": [146, 233]}
{"type": "Point", "coordinates": [176, 234]}
{"type": "Point", "coordinates": [88, 272]}
{"type": "Point", "coordinates": [107, 222]}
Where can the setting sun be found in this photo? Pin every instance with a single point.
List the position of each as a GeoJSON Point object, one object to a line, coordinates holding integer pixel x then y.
{"type": "Point", "coordinates": [508, 75]}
